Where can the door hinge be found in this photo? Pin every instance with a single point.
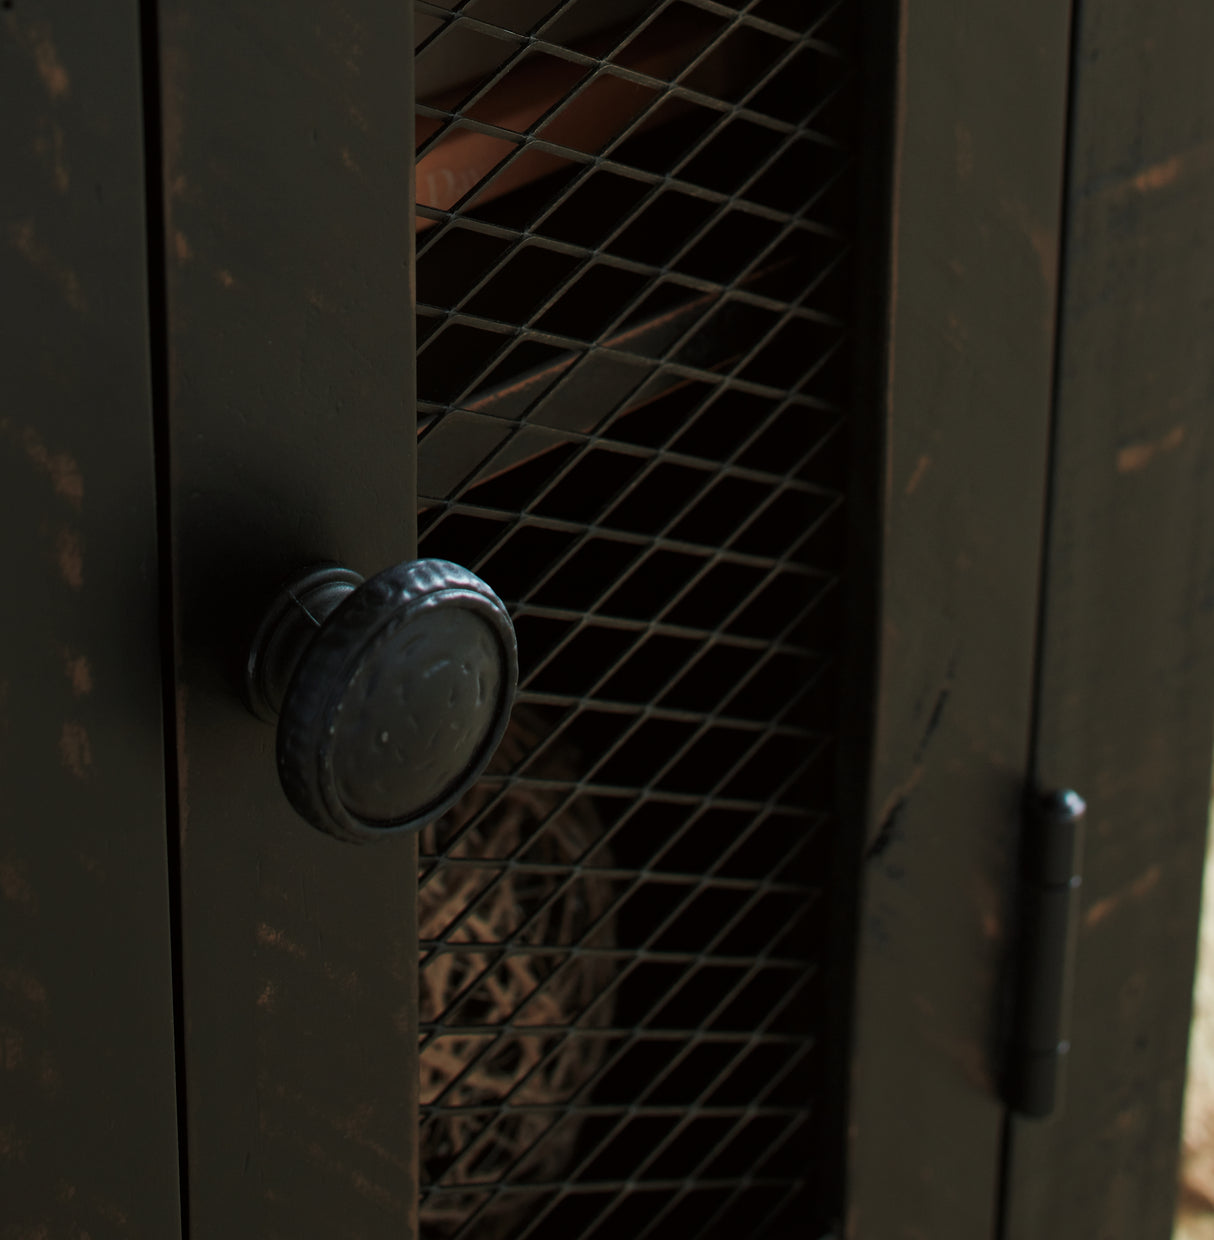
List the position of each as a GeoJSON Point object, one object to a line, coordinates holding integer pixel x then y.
{"type": "Point", "coordinates": [1050, 860]}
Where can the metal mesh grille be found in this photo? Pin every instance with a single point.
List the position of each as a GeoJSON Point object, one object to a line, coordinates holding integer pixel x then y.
{"type": "Point", "coordinates": [633, 289]}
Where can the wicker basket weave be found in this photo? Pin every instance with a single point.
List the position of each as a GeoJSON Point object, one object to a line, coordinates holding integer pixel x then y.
{"type": "Point", "coordinates": [483, 986]}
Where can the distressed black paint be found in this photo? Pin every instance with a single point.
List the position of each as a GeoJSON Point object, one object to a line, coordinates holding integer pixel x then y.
{"type": "Point", "coordinates": [88, 1138]}
{"type": "Point", "coordinates": [287, 165]}
{"type": "Point", "coordinates": [1127, 677]}
{"type": "Point", "coordinates": [974, 215]}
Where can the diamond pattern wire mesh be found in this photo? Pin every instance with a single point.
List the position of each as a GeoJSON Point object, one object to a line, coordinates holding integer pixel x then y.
{"type": "Point", "coordinates": [632, 236]}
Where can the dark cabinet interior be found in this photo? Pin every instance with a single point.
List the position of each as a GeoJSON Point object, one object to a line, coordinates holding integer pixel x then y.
{"type": "Point", "coordinates": [822, 386]}
{"type": "Point", "coordinates": [633, 401]}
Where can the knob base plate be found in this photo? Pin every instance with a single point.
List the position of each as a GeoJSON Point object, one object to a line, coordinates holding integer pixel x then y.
{"type": "Point", "coordinates": [287, 629]}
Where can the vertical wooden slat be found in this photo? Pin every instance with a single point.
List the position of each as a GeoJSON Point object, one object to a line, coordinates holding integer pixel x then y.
{"type": "Point", "coordinates": [288, 180]}
{"type": "Point", "coordinates": [1127, 682]}
{"type": "Point", "coordinates": [88, 1135]}
{"type": "Point", "coordinates": [980, 118]}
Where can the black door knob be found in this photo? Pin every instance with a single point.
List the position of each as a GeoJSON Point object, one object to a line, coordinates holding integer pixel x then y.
{"type": "Point", "coordinates": [391, 694]}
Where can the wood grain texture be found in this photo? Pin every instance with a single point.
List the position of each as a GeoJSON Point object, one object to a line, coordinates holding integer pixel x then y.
{"type": "Point", "coordinates": [1127, 689]}
{"type": "Point", "coordinates": [288, 181]}
{"type": "Point", "coordinates": [980, 120]}
{"type": "Point", "coordinates": [88, 1135]}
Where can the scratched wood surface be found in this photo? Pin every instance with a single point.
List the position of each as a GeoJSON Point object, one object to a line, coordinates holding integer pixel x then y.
{"type": "Point", "coordinates": [1128, 675]}
{"type": "Point", "coordinates": [88, 1137]}
{"type": "Point", "coordinates": [980, 119]}
{"type": "Point", "coordinates": [287, 169]}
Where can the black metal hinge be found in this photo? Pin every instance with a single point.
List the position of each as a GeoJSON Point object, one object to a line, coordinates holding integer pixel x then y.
{"type": "Point", "coordinates": [1050, 859]}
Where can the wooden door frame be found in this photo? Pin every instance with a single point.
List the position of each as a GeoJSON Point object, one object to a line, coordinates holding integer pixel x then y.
{"type": "Point", "coordinates": [1126, 689]}
{"type": "Point", "coordinates": [961, 219]}
{"type": "Point", "coordinates": [1104, 180]}
{"type": "Point", "coordinates": [88, 1129]}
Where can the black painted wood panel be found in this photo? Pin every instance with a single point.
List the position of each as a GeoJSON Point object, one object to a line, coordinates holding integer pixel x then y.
{"type": "Point", "coordinates": [88, 1135]}
{"type": "Point", "coordinates": [1127, 679]}
{"type": "Point", "coordinates": [288, 187]}
{"type": "Point", "coordinates": [973, 207]}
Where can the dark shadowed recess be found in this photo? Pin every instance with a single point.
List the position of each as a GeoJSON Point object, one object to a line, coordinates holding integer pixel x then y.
{"type": "Point", "coordinates": [634, 286]}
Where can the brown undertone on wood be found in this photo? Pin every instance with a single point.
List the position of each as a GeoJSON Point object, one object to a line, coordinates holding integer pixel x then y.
{"type": "Point", "coordinates": [1127, 676]}
{"type": "Point", "coordinates": [980, 118]}
{"type": "Point", "coordinates": [88, 1137]}
{"type": "Point", "coordinates": [288, 185]}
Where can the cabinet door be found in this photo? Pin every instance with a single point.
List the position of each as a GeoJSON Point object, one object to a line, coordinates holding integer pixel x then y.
{"type": "Point", "coordinates": [286, 165]}
{"type": "Point", "coordinates": [88, 1136]}
{"type": "Point", "coordinates": [972, 207]}
{"type": "Point", "coordinates": [208, 246]}
{"type": "Point", "coordinates": [1127, 659]}
{"type": "Point", "coordinates": [1048, 354]}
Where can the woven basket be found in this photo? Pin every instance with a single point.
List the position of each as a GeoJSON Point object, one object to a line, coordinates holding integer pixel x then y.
{"type": "Point", "coordinates": [484, 987]}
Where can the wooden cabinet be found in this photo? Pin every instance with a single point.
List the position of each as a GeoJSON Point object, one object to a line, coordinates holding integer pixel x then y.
{"type": "Point", "coordinates": [210, 1019]}
{"type": "Point", "coordinates": [88, 1088]}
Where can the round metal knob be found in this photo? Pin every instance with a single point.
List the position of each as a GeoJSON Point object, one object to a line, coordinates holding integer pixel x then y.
{"type": "Point", "coordinates": [391, 694]}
